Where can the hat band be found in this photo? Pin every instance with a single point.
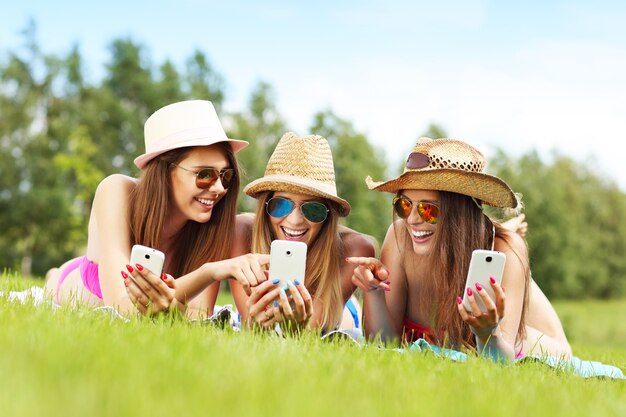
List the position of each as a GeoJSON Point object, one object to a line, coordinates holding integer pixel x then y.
{"type": "Point", "coordinates": [187, 135]}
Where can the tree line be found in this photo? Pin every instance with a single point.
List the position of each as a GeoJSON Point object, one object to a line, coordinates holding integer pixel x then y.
{"type": "Point", "coordinates": [60, 135]}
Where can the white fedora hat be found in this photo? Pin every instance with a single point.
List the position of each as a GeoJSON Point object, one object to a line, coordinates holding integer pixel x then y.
{"type": "Point", "coordinates": [183, 124]}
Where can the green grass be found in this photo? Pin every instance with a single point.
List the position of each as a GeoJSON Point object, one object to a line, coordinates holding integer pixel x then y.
{"type": "Point", "coordinates": [79, 363]}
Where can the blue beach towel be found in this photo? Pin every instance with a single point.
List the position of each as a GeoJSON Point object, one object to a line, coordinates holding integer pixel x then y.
{"type": "Point", "coordinates": [575, 365]}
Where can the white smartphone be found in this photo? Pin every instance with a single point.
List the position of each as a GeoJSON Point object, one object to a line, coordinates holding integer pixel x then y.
{"type": "Point", "coordinates": [287, 260]}
{"type": "Point", "coordinates": [483, 265]}
{"type": "Point", "coordinates": [149, 258]}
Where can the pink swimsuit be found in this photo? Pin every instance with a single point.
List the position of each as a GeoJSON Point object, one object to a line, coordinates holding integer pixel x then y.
{"type": "Point", "coordinates": [88, 273]}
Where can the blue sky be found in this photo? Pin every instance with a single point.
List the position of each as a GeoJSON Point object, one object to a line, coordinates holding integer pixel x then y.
{"type": "Point", "coordinates": [543, 75]}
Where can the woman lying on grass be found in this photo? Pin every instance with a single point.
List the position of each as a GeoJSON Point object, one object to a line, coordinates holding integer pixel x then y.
{"type": "Point", "coordinates": [298, 201]}
{"type": "Point", "coordinates": [184, 204]}
{"type": "Point", "coordinates": [425, 258]}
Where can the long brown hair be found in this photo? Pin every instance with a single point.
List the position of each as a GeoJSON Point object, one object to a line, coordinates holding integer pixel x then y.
{"type": "Point", "coordinates": [196, 243]}
{"type": "Point", "coordinates": [462, 227]}
{"type": "Point", "coordinates": [323, 261]}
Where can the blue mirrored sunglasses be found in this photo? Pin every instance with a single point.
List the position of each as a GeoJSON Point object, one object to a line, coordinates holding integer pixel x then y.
{"type": "Point", "coordinates": [313, 211]}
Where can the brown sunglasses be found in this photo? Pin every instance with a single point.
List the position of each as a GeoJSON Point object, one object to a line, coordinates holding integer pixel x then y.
{"type": "Point", "coordinates": [206, 177]}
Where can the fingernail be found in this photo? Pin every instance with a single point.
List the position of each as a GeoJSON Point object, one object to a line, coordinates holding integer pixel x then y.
{"type": "Point", "coordinates": [285, 288]}
{"type": "Point", "coordinates": [282, 291]}
{"type": "Point", "coordinates": [163, 276]}
{"type": "Point", "coordinates": [478, 286]}
{"type": "Point", "coordinates": [469, 291]}
{"type": "Point", "coordinates": [276, 281]}
{"type": "Point", "coordinates": [139, 267]}
{"type": "Point", "coordinates": [388, 271]}
{"type": "Point", "coordinates": [125, 284]}
{"type": "Point", "coordinates": [492, 279]}
{"type": "Point", "coordinates": [388, 282]}
{"type": "Point", "coordinates": [124, 275]}
{"type": "Point", "coordinates": [275, 304]}
{"type": "Point", "coordinates": [296, 282]}
{"type": "Point", "coordinates": [459, 300]}
{"type": "Point", "coordinates": [503, 289]}
{"type": "Point", "coordinates": [387, 289]}
{"type": "Point", "coordinates": [130, 268]}
{"type": "Point", "coordinates": [289, 283]}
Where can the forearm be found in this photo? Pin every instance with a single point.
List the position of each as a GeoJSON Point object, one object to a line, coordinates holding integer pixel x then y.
{"type": "Point", "coordinates": [376, 319]}
{"type": "Point", "coordinates": [123, 305]}
{"type": "Point", "coordinates": [495, 347]}
{"type": "Point", "coordinates": [191, 285]}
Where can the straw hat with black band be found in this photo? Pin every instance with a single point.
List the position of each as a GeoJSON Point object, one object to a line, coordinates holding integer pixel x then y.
{"type": "Point", "coordinates": [301, 165]}
{"type": "Point", "coordinates": [449, 165]}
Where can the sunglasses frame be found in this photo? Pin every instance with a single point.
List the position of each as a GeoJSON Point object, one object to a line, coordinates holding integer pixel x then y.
{"type": "Point", "coordinates": [294, 205]}
{"type": "Point", "coordinates": [220, 175]}
{"type": "Point", "coordinates": [417, 205]}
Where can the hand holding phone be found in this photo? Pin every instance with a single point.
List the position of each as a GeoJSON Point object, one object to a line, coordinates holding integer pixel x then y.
{"type": "Point", "coordinates": [149, 258]}
{"type": "Point", "coordinates": [484, 264]}
{"type": "Point", "coordinates": [287, 260]}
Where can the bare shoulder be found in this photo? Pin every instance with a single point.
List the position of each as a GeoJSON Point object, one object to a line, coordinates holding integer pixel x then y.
{"type": "Point", "coordinates": [243, 224]}
{"type": "Point", "coordinates": [357, 244]}
{"type": "Point", "coordinates": [390, 243]}
{"type": "Point", "coordinates": [243, 234]}
{"type": "Point", "coordinates": [510, 241]}
{"type": "Point", "coordinates": [391, 252]}
{"type": "Point", "coordinates": [513, 246]}
{"type": "Point", "coordinates": [116, 184]}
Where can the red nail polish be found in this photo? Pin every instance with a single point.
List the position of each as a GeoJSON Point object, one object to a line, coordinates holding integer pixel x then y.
{"type": "Point", "coordinates": [459, 300]}
{"type": "Point", "coordinates": [492, 279]}
{"type": "Point", "coordinates": [478, 286]}
{"type": "Point", "coordinates": [388, 282]}
{"type": "Point", "coordinates": [124, 275]}
{"type": "Point", "coordinates": [163, 276]}
{"type": "Point", "coordinates": [469, 291]}
{"type": "Point", "coordinates": [125, 284]}
{"type": "Point", "coordinates": [387, 289]}
{"type": "Point", "coordinates": [139, 267]}
{"type": "Point", "coordinates": [130, 268]}
{"type": "Point", "coordinates": [503, 290]}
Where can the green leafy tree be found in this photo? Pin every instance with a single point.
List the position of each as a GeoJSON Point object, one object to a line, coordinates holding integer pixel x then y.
{"type": "Point", "coordinates": [354, 159]}
{"type": "Point", "coordinates": [34, 203]}
{"type": "Point", "coordinates": [262, 126]}
{"type": "Point", "coordinates": [576, 236]}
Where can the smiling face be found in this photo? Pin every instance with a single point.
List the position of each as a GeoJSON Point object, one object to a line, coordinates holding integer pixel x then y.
{"type": "Point", "coordinates": [189, 202]}
{"type": "Point", "coordinates": [421, 233]}
{"type": "Point", "coordinates": [294, 226]}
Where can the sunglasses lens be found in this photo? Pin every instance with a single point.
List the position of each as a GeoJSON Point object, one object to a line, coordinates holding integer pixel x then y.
{"type": "Point", "coordinates": [227, 177]}
{"type": "Point", "coordinates": [402, 206]}
{"type": "Point", "coordinates": [314, 212]}
{"type": "Point", "coordinates": [206, 177]}
{"type": "Point", "coordinates": [428, 212]}
{"type": "Point", "coordinates": [279, 207]}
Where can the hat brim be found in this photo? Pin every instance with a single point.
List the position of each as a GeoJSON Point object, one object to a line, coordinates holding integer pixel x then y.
{"type": "Point", "coordinates": [142, 160]}
{"type": "Point", "coordinates": [297, 185]}
{"type": "Point", "coordinates": [490, 190]}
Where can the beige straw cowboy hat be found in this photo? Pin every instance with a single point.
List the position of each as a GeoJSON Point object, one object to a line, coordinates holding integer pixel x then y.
{"type": "Point", "coordinates": [449, 165]}
{"type": "Point", "coordinates": [183, 124]}
{"type": "Point", "coordinates": [303, 165]}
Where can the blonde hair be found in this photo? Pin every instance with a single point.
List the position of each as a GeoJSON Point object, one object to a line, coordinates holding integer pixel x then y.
{"type": "Point", "coordinates": [196, 243]}
{"type": "Point", "coordinates": [323, 263]}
